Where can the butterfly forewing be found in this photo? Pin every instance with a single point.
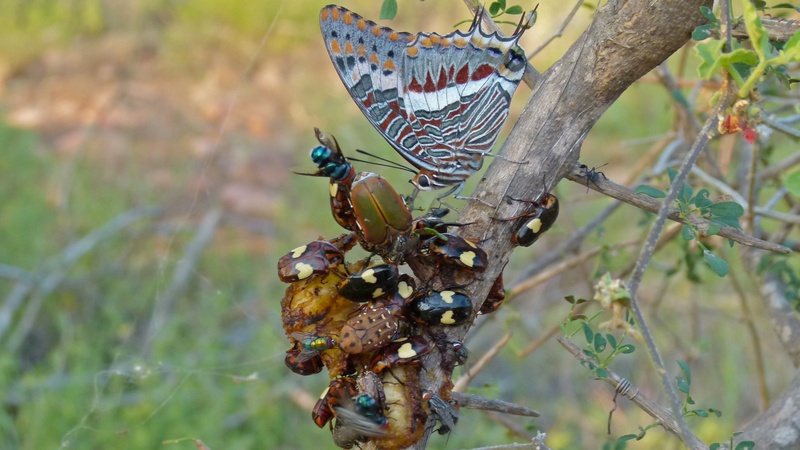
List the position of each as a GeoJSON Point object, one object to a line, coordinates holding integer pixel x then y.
{"type": "Point", "coordinates": [440, 101]}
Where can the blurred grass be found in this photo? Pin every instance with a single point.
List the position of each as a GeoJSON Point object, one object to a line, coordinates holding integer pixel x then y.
{"type": "Point", "coordinates": [85, 378]}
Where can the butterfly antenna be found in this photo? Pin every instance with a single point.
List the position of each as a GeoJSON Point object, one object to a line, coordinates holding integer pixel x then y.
{"type": "Point", "coordinates": [389, 162]}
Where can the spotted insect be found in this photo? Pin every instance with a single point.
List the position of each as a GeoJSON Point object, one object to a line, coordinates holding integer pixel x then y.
{"type": "Point", "coordinates": [399, 352]}
{"type": "Point", "coordinates": [312, 345]}
{"type": "Point", "coordinates": [457, 251]}
{"type": "Point", "coordinates": [495, 298]}
{"type": "Point", "coordinates": [315, 258]}
{"type": "Point", "coordinates": [406, 286]}
{"type": "Point", "coordinates": [443, 411]}
{"type": "Point", "coordinates": [383, 219]}
{"type": "Point", "coordinates": [440, 101]}
{"type": "Point", "coordinates": [338, 392]}
{"type": "Point", "coordinates": [308, 366]}
{"type": "Point", "coordinates": [371, 329]}
{"type": "Point", "coordinates": [591, 175]}
{"type": "Point", "coordinates": [370, 283]}
{"type": "Point", "coordinates": [440, 308]}
{"type": "Point", "coordinates": [537, 222]}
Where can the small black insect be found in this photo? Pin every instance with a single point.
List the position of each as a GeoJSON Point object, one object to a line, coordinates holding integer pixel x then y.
{"type": "Point", "coordinates": [592, 175]}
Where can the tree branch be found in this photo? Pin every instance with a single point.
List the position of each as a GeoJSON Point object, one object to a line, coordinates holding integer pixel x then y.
{"type": "Point", "coordinates": [656, 411]}
{"type": "Point", "coordinates": [653, 205]}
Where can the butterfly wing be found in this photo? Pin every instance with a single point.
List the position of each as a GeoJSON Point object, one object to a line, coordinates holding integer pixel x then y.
{"type": "Point", "coordinates": [440, 101]}
{"type": "Point", "coordinates": [365, 56]}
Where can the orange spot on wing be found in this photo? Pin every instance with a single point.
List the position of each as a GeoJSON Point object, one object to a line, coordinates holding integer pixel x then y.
{"type": "Point", "coordinates": [389, 65]}
{"type": "Point", "coordinates": [460, 42]}
{"type": "Point", "coordinates": [446, 42]}
{"type": "Point", "coordinates": [324, 14]}
{"type": "Point", "coordinates": [335, 49]}
{"type": "Point", "coordinates": [412, 52]}
{"type": "Point", "coordinates": [374, 59]}
{"type": "Point", "coordinates": [348, 18]}
{"type": "Point", "coordinates": [335, 13]}
{"type": "Point", "coordinates": [348, 48]}
{"type": "Point", "coordinates": [394, 35]}
{"type": "Point", "coordinates": [435, 38]}
{"type": "Point", "coordinates": [427, 43]}
{"type": "Point", "coordinates": [376, 31]}
{"type": "Point", "coordinates": [362, 24]}
{"type": "Point", "coordinates": [361, 50]}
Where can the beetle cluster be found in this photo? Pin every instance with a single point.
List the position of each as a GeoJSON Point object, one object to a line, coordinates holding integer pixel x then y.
{"type": "Point", "coordinates": [367, 322]}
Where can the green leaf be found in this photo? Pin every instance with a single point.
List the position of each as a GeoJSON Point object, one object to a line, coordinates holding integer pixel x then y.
{"type": "Point", "coordinates": [701, 200]}
{"type": "Point", "coordinates": [516, 9]}
{"type": "Point", "coordinates": [703, 32]}
{"type": "Point", "coordinates": [793, 183]}
{"type": "Point", "coordinates": [689, 400]}
{"type": "Point", "coordinates": [686, 193]}
{"type": "Point", "coordinates": [758, 35]}
{"type": "Point", "coordinates": [627, 348]}
{"type": "Point", "coordinates": [714, 446]}
{"type": "Point", "coordinates": [738, 56]}
{"type": "Point", "coordinates": [601, 373]}
{"type": "Point", "coordinates": [388, 9]}
{"type": "Point", "coordinates": [785, 6]}
{"type": "Point", "coordinates": [701, 412]}
{"type": "Point", "coordinates": [687, 372]}
{"type": "Point", "coordinates": [687, 233]}
{"type": "Point", "coordinates": [708, 14]}
{"type": "Point", "coordinates": [746, 445]}
{"type": "Point", "coordinates": [732, 222]}
{"type": "Point", "coordinates": [726, 210]}
{"type": "Point", "coordinates": [650, 191]}
{"type": "Point", "coordinates": [683, 386]}
{"type": "Point", "coordinates": [612, 341]}
{"type": "Point", "coordinates": [494, 8]}
{"type": "Point", "coordinates": [626, 438]}
{"type": "Point", "coordinates": [671, 173]}
{"type": "Point", "coordinates": [791, 49]}
{"type": "Point", "coordinates": [599, 343]}
{"type": "Point", "coordinates": [718, 265]}
{"type": "Point", "coordinates": [712, 229]}
{"type": "Point", "coordinates": [587, 331]}
{"type": "Point", "coordinates": [709, 53]}
{"type": "Point", "coordinates": [716, 412]}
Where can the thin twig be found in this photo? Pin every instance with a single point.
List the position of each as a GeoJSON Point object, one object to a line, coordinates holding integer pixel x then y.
{"type": "Point", "coordinates": [559, 268]}
{"type": "Point", "coordinates": [780, 166]}
{"type": "Point", "coordinates": [180, 278]}
{"type": "Point", "coordinates": [558, 33]}
{"type": "Point", "coordinates": [780, 30]}
{"type": "Point", "coordinates": [750, 216]}
{"type": "Point", "coordinates": [758, 353]}
{"type": "Point", "coordinates": [644, 260]}
{"type": "Point", "coordinates": [627, 195]}
{"type": "Point", "coordinates": [462, 383]}
{"type": "Point", "coordinates": [735, 196]}
{"type": "Point", "coordinates": [53, 273]}
{"type": "Point", "coordinates": [537, 443]}
{"type": "Point", "coordinates": [663, 415]}
{"type": "Point", "coordinates": [473, 401]}
{"type": "Point", "coordinates": [778, 126]}
{"type": "Point", "coordinates": [509, 424]}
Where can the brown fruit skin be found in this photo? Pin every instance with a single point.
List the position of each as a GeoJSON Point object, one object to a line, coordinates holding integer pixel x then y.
{"type": "Point", "coordinates": [314, 306]}
{"type": "Point", "coordinates": [404, 408]}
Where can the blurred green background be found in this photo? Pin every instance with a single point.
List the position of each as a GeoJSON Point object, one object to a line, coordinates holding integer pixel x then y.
{"type": "Point", "coordinates": [109, 108]}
